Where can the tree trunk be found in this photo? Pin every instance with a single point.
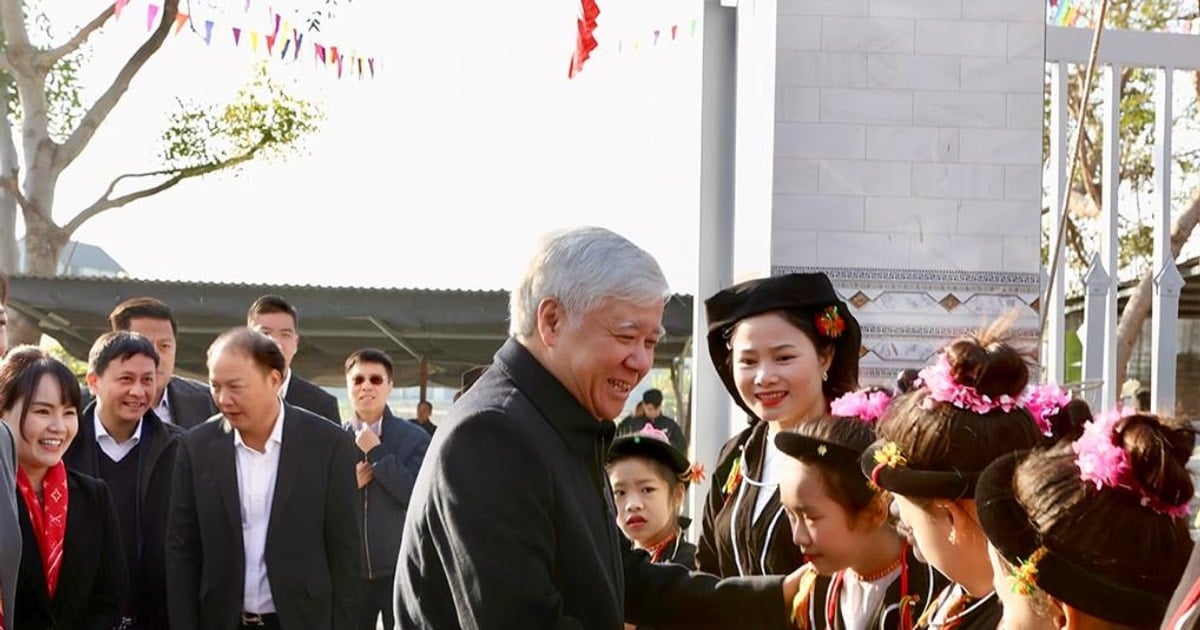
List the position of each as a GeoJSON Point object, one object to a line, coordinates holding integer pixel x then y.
{"type": "Point", "coordinates": [1129, 325]}
{"type": "Point", "coordinates": [44, 243]}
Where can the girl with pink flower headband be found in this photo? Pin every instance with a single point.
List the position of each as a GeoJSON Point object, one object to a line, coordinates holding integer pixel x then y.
{"type": "Point", "coordinates": [1091, 533]}
{"type": "Point", "coordinates": [967, 411]}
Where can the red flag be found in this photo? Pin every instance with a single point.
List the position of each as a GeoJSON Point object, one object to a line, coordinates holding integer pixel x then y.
{"type": "Point", "coordinates": [270, 44]}
{"type": "Point", "coordinates": [333, 54]}
{"type": "Point", "coordinates": [585, 41]}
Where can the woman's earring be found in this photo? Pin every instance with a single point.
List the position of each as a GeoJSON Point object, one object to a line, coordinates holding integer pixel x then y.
{"type": "Point", "coordinates": [953, 538]}
{"type": "Point", "coordinates": [825, 375]}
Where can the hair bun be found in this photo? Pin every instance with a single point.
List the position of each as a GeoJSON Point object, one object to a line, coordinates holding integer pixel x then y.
{"type": "Point", "coordinates": [991, 366]}
{"type": "Point", "coordinates": [1159, 450]}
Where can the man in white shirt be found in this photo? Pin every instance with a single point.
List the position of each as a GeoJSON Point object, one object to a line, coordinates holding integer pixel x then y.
{"type": "Point", "coordinates": [122, 442]}
{"type": "Point", "coordinates": [264, 517]}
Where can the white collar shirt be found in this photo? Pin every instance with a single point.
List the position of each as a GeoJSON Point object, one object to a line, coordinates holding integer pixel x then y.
{"type": "Point", "coordinates": [109, 445]}
{"type": "Point", "coordinates": [163, 408]}
{"type": "Point", "coordinates": [256, 474]}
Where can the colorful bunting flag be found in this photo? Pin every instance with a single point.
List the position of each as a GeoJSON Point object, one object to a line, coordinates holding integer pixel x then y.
{"type": "Point", "coordinates": [151, 14]}
{"type": "Point", "coordinates": [237, 36]}
{"type": "Point", "coordinates": [181, 18]}
{"type": "Point", "coordinates": [118, 6]}
{"type": "Point", "coordinates": [208, 27]}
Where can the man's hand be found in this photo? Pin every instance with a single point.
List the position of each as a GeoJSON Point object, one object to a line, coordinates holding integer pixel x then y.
{"type": "Point", "coordinates": [365, 473]}
{"type": "Point", "coordinates": [366, 439]}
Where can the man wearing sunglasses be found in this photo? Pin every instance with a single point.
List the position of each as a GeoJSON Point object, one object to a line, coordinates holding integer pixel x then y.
{"type": "Point", "coordinates": [392, 452]}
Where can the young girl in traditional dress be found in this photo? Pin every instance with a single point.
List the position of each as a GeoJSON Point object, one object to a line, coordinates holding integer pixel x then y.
{"type": "Point", "coordinates": [784, 347]}
{"type": "Point", "coordinates": [1091, 533]}
{"type": "Point", "coordinates": [967, 412]}
{"type": "Point", "coordinates": [649, 479]}
{"type": "Point", "coordinates": [862, 574]}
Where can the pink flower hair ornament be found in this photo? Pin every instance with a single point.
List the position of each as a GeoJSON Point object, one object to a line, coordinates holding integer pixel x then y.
{"type": "Point", "coordinates": [939, 381]}
{"type": "Point", "coordinates": [1104, 463]}
{"type": "Point", "coordinates": [1043, 402]}
{"type": "Point", "coordinates": [866, 406]}
{"type": "Point", "coordinates": [653, 433]}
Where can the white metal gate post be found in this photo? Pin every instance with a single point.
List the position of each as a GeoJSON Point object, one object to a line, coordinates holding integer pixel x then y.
{"type": "Point", "coordinates": [1167, 281]}
{"type": "Point", "coordinates": [1053, 362]}
{"type": "Point", "coordinates": [1096, 285]}
{"type": "Point", "coordinates": [1110, 196]}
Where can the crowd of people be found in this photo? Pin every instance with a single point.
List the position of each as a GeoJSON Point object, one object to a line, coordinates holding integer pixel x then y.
{"type": "Point", "coordinates": [967, 497]}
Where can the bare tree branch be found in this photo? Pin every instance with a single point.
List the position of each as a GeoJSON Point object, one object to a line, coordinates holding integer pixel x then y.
{"type": "Point", "coordinates": [107, 202]}
{"type": "Point", "coordinates": [46, 60]}
{"type": "Point", "coordinates": [18, 50]}
{"type": "Point", "coordinates": [91, 121]}
{"type": "Point", "coordinates": [12, 186]}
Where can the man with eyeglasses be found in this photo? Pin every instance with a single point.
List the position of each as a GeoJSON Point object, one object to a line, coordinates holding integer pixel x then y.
{"type": "Point", "coordinates": [392, 452]}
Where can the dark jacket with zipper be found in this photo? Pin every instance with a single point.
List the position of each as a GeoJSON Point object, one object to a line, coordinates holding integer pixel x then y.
{"type": "Point", "coordinates": [512, 525]}
{"type": "Point", "coordinates": [155, 466]}
{"type": "Point", "coordinates": [395, 461]}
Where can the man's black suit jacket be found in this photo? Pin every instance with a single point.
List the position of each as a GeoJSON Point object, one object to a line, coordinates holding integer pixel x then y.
{"type": "Point", "coordinates": [314, 547]}
{"type": "Point", "coordinates": [305, 395]}
{"type": "Point", "coordinates": [191, 402]}
{"type": "Point", "coordinates": [156, 463]}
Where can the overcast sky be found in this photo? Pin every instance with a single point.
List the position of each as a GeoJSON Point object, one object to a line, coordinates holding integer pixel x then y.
{"type": "Point", "coordinates": [441, 172]}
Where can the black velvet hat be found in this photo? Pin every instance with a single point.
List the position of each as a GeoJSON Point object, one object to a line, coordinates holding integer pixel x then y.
{"type": "Point", "coordinates": [808, 294]}
{"type": "Point", "coordinates": [1009, 529]}
{"type": "Point", "coordinates": [887, 468]}
{"type": "Point", "coordinates": [807, 448]}
{"type": "Point", "coordinates": [645, 444]}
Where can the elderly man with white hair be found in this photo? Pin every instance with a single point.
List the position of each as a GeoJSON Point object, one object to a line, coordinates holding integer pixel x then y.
{"type": "Point", "coordinates": [511, 523]}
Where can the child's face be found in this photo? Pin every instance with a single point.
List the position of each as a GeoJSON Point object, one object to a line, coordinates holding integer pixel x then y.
{"type": "Point", "coordinates": [645, 507]}
{"type": "Point", "coordinates": [820, 525]}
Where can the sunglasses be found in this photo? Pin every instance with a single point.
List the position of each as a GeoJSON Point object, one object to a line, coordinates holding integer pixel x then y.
{"type": "Point", "coordinates": [374, 379]}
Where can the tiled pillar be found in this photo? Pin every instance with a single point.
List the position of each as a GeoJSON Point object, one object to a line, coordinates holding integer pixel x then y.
{"type": "Point", "coordinates": [908, 151]}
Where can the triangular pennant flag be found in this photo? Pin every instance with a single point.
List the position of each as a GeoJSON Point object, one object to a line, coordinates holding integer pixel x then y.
{"type": "Point", "coordinates": [694, 28]}
{"type": "Point", "coordinates": [299, 38]}
{"type": "Point", "coordinates": [270, 44]}
{"type": "Point", "coordinates": [319, 53]}
{"type": "Point", "coordinates": [247, 9]}
{"type": "Point", "coordinates": [254, 41]}
{"type": "Point", "coordinates": [237, 36]}
{"type": "Point", "coordinates": [656, 38]}
{"type": "Point", "coordinates": [674, 29]}
{"type": "Point", "coordinates": [151, 14]}
{"type": "Point", "coordinates": [371, 66]}
{"type": "Point", "coordinates": [118, 6]}
{"type": "Point", "coordinates": [339, 63]}
{"type": "Point", "coordinates": [286, 43]}
{"type": "Point", "coordinates": [359, 67]}
{"type": "Point", "coordinates": [181, 18]}
{"type": "Point", "coordinates": [208, 27]}
{"type": "Point", "coordinates": [276, 31]}
{"type": "Point", "coordinates": [333, 56]}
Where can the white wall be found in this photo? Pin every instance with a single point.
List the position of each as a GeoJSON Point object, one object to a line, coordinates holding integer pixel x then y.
{"type": "Point", "coordinates": [907, 159]}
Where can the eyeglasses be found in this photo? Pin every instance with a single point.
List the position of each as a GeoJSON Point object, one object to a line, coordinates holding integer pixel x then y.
{"type": "Point", "coordinates": [375, 379]}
